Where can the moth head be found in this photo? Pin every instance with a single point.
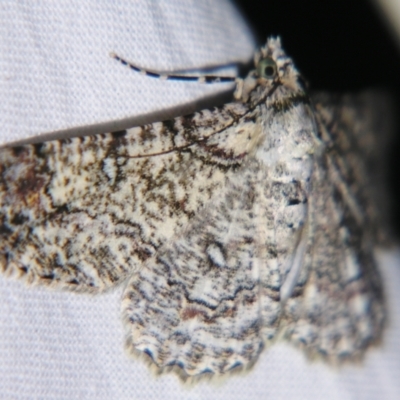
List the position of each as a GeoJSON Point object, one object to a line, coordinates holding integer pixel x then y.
{"type": "Point", "coordinates": [274, 76]}
{"type": "Point", "coordinates": [267, 68]}
{"type": "Point", "coordinates": [273, 66]}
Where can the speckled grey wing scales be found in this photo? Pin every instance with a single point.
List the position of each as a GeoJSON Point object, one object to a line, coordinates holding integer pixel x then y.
{"type": "Point", "coordinates": [208, 300]}
{"type": "Point", "coordinates": [85, 213]}
{"type": "Point", "coordinates": [339, 309]}
{"type": "Point", "coordinates": [359, 128]}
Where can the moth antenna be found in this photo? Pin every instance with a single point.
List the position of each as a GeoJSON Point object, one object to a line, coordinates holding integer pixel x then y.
{"type": "Point", "coordinates": [176, 77]}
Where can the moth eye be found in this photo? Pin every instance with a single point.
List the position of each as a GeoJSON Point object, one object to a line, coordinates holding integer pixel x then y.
{"type": "Point", "coordinates": [267, 68]}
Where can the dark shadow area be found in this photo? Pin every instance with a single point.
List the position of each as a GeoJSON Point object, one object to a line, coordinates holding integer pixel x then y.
{"type": "Point", "coordinates": [339, 46]}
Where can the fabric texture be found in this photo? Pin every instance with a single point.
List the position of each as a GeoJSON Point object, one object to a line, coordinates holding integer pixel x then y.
{"type": "Point", "coordinates": [56, 74]}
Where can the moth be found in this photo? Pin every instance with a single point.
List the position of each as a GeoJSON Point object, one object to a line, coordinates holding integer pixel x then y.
{"type": "Point", "coordinates": [228, 227]}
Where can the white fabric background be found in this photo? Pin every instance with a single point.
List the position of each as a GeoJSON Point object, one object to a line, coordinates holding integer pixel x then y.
{"type": "Point", "coordinates": [55, 73]}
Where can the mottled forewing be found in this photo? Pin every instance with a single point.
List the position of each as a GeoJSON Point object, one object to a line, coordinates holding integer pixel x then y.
{"type": "Point", "coordinates": [339, 310]}
{"type": "Point", "coordinates": [207, 302]}
{"type": "Point", "coordinates": [359, 130]}
{"type": "Point", "coordinates": [211, 298]}
{"type": "Point", "coordinates": [84, 213]}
